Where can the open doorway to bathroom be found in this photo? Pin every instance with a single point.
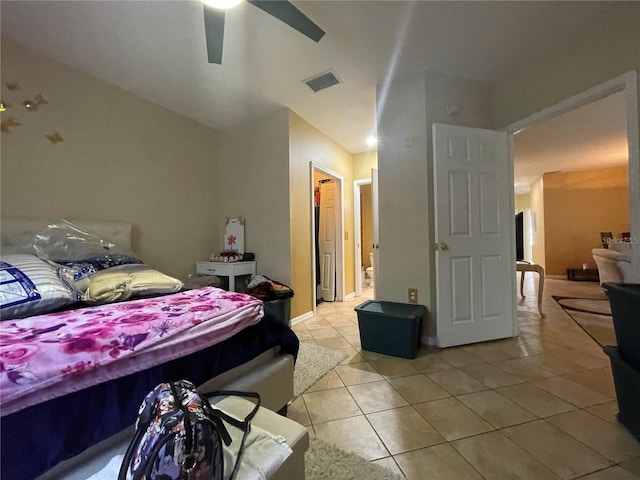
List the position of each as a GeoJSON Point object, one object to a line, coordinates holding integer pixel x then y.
{"type": "Point", "coordinates": [363, 237]}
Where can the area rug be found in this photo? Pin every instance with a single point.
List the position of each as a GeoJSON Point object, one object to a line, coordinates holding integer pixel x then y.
{"type": "Point", "coordinates": [593, 315]}
{"type": "Point", "coordinates": [324, 461]}
{"type": "Point", "coordinates": [313, 363]}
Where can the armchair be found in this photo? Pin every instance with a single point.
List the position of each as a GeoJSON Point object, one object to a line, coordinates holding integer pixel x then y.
{"type": "Point", "coordinates": [614, 263]}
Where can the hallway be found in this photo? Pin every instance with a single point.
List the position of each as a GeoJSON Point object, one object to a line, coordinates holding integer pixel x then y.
{"type": "Point", "coordinates": [538, 406]}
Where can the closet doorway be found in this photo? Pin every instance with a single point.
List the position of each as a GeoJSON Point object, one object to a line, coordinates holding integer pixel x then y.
{"type": "Point", "coordinates": [327, 238]}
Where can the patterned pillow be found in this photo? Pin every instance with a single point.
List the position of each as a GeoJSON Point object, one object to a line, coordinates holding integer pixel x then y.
{"type": "Point", "coordinates": [31, 286]}
{"type": "Point", "coordinates": [83, 269]}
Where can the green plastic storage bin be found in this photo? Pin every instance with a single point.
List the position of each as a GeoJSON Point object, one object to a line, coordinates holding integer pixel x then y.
{"type": "Point", "coordinates": [627, 383]}
{"type": "Point", "coordinates": [390, 328]}
{"type": "Point", "coordinates": [625, 307]}
{"type": "Point", "coordinates": [282, 308]}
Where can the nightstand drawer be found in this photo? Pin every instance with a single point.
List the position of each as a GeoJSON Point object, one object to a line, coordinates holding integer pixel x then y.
{"type": "Point", "coordinates": [222, 269]}
{"type": "Point", "coordinates": [213, 268]}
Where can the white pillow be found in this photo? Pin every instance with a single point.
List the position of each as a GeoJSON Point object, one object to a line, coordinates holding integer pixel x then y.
{"type": "Point", "coordinates": [31, 286]}
{"type": "Point", "coordinates": [622, 248]}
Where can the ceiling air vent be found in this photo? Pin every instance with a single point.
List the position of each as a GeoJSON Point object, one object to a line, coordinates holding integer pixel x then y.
{"type": "Point", "coordinates": [320, 82]}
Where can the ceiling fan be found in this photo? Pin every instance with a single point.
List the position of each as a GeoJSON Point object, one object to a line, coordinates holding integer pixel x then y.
{"type": "Point", "coordinates": [281, 9]}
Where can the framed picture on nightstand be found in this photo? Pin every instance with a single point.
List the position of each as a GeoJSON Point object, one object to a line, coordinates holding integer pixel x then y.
{"type": "Point", "coordinates": [234, 235]}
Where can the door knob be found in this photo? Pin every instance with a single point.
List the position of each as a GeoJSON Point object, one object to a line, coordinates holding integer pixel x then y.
{"type": "Point", "coordinates": [444, 246]}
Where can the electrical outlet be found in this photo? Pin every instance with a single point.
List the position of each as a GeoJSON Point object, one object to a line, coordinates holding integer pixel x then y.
{"type": "Point", "coordinates": [413, 295]}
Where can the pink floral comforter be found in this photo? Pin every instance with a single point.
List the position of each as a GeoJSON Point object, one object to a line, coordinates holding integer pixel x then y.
{"type": "Point", "coordinates": [47, 356]}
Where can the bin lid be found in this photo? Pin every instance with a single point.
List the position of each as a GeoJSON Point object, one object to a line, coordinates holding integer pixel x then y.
{"type": "Point", "coordinates": [629, 290]}
{"type": "Point", "coordinates": [393, 309]}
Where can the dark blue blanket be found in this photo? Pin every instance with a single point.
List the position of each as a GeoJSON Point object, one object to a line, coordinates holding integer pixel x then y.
{"type": "Point", "coordinates": [39, 437]}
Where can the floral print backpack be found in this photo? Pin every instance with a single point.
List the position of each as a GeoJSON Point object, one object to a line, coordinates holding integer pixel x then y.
{"type": "Point", "coordinates": [179, 435]}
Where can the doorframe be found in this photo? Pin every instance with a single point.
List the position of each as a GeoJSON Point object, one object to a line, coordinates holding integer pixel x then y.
{"type": "Point", "coordinates": [627, 83]}
{"type": "Point", "coordinates": [340, 280]}
{"type": "Point", "coordinates": [357, 235]}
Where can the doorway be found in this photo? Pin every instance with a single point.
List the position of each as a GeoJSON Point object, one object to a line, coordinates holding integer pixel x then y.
{"type": "Point", "coordinates": [363, 233]}
{"type": "Point", "coordinates": [624, 86]}
{"type": "Point", "coordinates": [327, 228]}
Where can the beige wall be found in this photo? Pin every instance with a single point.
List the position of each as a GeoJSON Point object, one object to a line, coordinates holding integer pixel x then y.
{"type": "Point", "coordinates": [403, 187]}
{"type": "Point", "coordinates": [126, 159]}
{"type": "Point", "coordinates": [307, 144]}
{"type": "Point", "coordinates": [578, 206]}
{"type": "Point", "coordinates": [405, 174]}
{"type": "Point", "coordinates": [607, 48]}
{"type": "Point", "coordinates": [522, 202]}
{"type": "Point", "coordinates": [363, 163]}
{"type": "Point", "coordinates": [610, 46]}
{"type": "Point", "coordinates": [536, 197]}
{"type": "Point", "coordinates": [252, 180]}
{"type": "Point", "coordinates": [122, 159]}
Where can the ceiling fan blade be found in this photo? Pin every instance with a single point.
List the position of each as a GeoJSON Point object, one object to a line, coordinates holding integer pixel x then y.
{"type": "Point", "coordinates": [286, 12]}
{"type": "Point", "coordinates": [214, 33]}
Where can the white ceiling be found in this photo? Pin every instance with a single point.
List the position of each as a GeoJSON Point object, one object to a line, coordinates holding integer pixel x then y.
{"type": "Point", "coordinates": [156, 49]}
{"type": "Point", "coordinates": [592, 136]}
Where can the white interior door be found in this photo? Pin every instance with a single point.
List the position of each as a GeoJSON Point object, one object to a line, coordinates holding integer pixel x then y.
{"type": "Point", "coordinates": [327, 241]}
{"type": "Point", "coordinates": [376, 230]}
{"type": "Point", "coordinates": [475, 257]}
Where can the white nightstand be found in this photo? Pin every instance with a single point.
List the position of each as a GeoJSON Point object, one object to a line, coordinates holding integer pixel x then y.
{"type": "Point", "coordinates": [223, 269]}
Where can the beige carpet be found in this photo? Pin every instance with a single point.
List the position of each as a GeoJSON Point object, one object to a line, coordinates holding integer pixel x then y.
{"type": "Point", "coordinates": [324, 461]}
{"type": "Point", "coordinates": [593, 315]}
{"type": "Point", "coordinates": [313, 363]}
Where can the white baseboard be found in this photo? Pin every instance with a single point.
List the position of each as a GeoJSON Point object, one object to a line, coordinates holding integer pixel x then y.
{"type": "Point", "coordinates": [349, 296]}
{"type": "Point", "coordinates": [430, 341]}
{"type": "Point", "coordinates": [301, 318]}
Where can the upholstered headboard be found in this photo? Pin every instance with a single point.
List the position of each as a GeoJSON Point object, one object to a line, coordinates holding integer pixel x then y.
{"type": "Point", "coordinates": [17, 233]}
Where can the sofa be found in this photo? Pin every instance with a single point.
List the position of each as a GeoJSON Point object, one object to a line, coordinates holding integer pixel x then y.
{"type": "Point", "coordinates": [614, 263]}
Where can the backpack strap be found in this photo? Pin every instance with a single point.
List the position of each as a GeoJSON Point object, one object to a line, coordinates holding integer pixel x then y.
{"type": "Point", "coordinates": [244, 425]}
{"type": "Point", "coordinates": [126, 461]}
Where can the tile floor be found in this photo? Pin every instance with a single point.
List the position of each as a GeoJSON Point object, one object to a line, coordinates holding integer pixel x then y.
{"type": "Point", "coordinates": [539, 406]}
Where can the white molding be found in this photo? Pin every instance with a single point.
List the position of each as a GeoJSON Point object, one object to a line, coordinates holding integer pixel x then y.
{"type": "Point", "coordinates": [349, 296]}
{"type": "Point", "coordinates": [590, 95]}
{"type": "Point", "coordinates": [301, 318]}
{"type": "Point", "coordinates": [429, 341]}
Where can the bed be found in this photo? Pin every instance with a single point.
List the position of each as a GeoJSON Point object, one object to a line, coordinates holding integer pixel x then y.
{"type": "Point", "coordinates": [50, 422]}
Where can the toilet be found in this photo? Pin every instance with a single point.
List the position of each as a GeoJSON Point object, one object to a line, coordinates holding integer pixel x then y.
{"type": "Point", "coordinates": [370, 269]}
